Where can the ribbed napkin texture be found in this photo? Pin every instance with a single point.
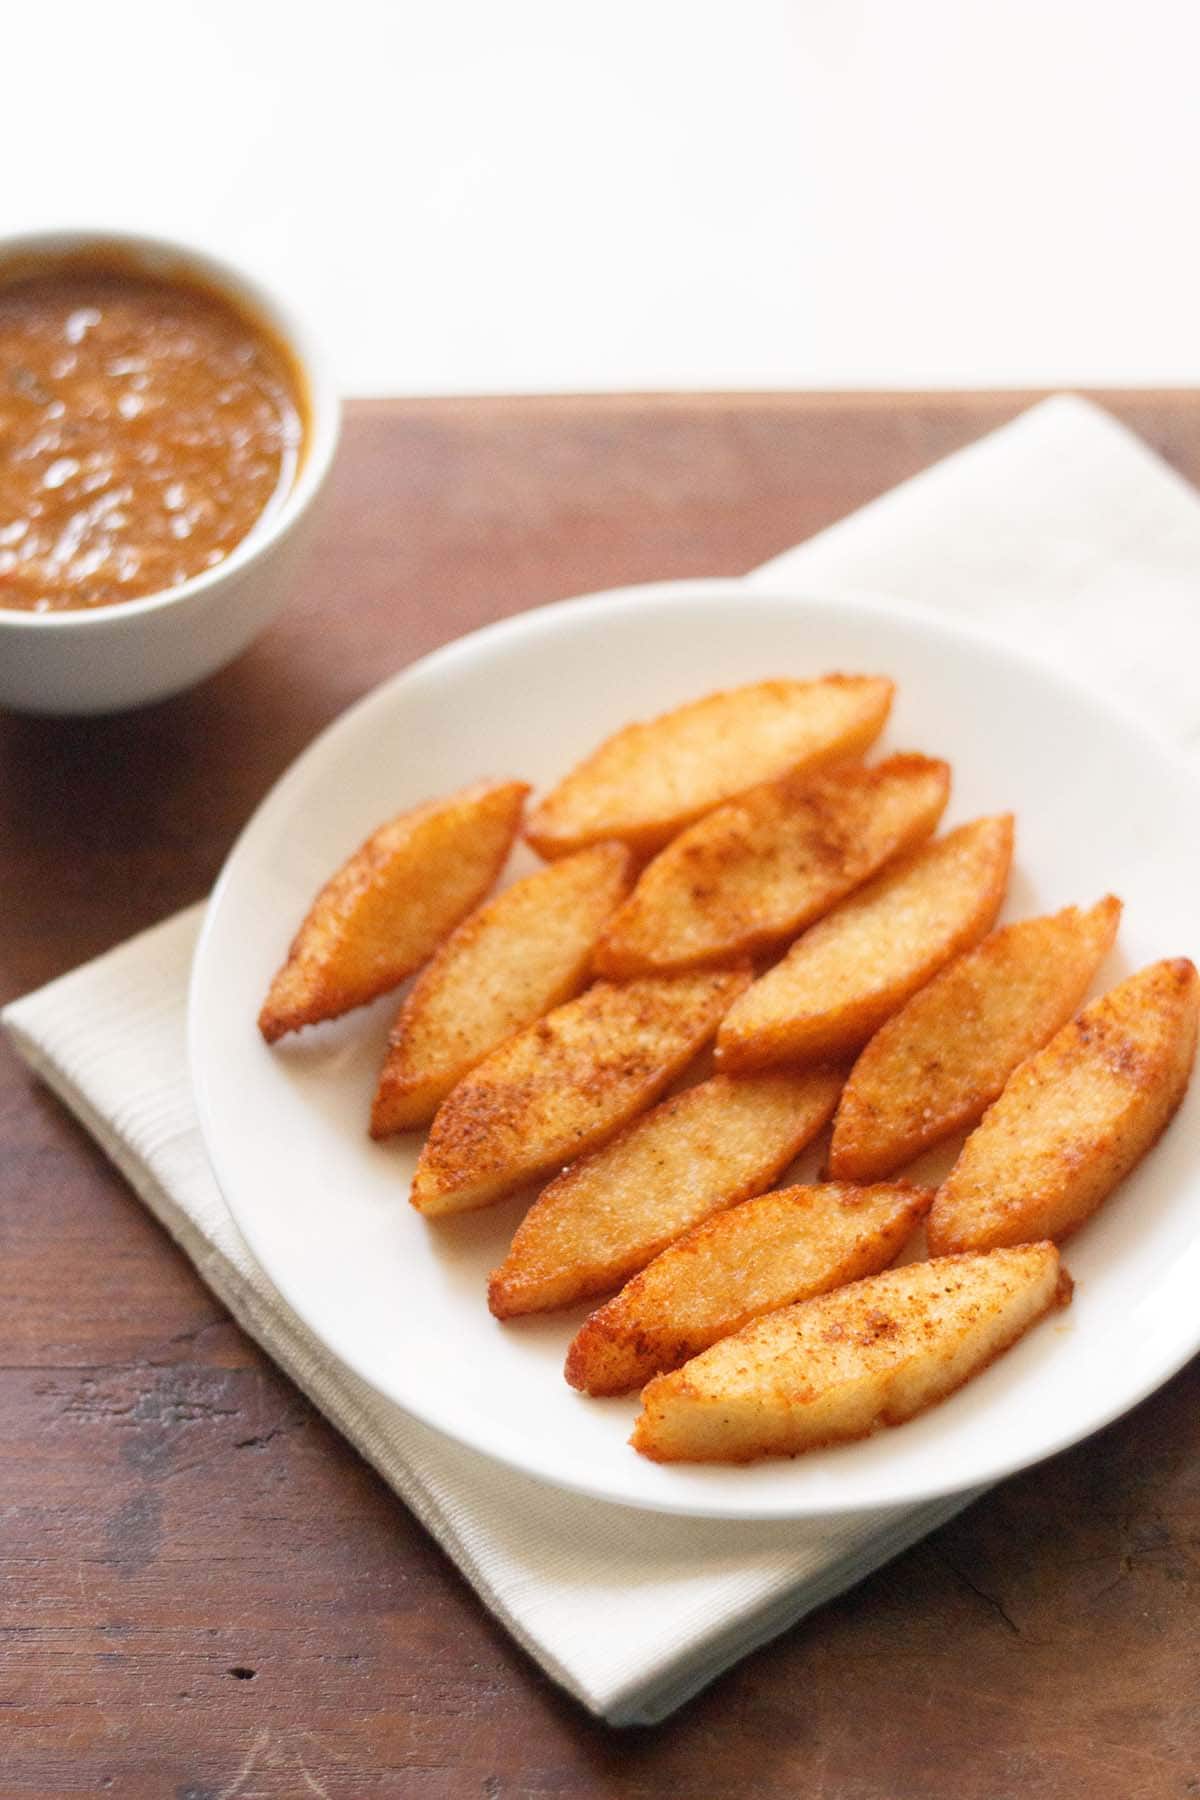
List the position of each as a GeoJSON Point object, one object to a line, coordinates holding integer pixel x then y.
{"type": "Point", "coordinates": [1061, 531]}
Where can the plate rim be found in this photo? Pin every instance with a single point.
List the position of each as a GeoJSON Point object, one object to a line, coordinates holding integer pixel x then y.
{"type": "Point", "coordinates": [511, 629]}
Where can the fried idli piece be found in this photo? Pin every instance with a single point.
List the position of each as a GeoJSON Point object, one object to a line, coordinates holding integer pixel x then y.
{"type": "Point", "coordinates": [566, 1084]}
{"type": "Point", "coordinates": [514, 959]}
{"type": "Point", "coordinates": [766, 1253]}
{"type": "Point", "coordinates": [841, 980]}
{"type": "Point", "coordinates": [755, 872]}
{"type": "Point", "coordinates": [837, 1367]}
{"type": "Point", "coordinates": [707, 1148]}
{"type": "Point", "coordinates": [937, 1065]}
{"type": "Point", "coordinates": [1075, 1118]}
{"type": "Point", "coordinates": [386, 910]}
{"type": "Point", "coordinates": [652, 778]}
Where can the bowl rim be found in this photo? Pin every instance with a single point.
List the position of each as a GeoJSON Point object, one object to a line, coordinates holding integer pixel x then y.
{"type": "Point", "coordinates": [162, 256]}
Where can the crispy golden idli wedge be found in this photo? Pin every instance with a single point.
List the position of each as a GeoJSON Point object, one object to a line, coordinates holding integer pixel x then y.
{"type": "Point", "coordinates": [837, 1367]}
{"type": "Point", "coordinates": [755, 872]}
{"type": "Point", "coordinates": [841, 980]}
{"type": "Point", "coordinates": [651, 779]}
{"type": "Point", "coordinates": [386, 910]}
{"type": "Point", "coordinates": [607, 1215]}
{"type": "Point", "coordinates": [766, 1253]}
{"type": "Point", "coordinates": [514, 959]}
{"type": "Point", "coordinates": [564, 1085]}
{"type": "Point", "coordinates": [1075, 1118]}
{"type": "Point", "coordinates": [937, 1065]}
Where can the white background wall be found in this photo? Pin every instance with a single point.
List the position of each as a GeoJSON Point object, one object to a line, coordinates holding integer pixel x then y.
{"type": "Point", "coordinates": [475, 195]}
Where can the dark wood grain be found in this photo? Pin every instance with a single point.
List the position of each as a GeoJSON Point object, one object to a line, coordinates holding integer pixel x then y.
{"type": "Point", "coordinates": [205, 1593]}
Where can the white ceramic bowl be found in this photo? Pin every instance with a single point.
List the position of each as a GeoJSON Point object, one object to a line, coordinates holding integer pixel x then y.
{"type": "Point", "coordinates": [136, 651]}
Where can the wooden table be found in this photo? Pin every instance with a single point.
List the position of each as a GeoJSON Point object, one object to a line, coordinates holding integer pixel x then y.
{"type": "Point", "coordinates": [206, 1594]}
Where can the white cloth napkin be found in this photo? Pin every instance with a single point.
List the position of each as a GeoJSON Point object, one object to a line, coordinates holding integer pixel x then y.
{"type": "Point", "coordinates": [1061, 530]}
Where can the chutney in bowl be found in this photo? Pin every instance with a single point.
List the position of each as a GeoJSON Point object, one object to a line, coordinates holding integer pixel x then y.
{"type": "Point", "coordinates": [164, 426]}
{"type": "Point", "coordinates": [147, 425]}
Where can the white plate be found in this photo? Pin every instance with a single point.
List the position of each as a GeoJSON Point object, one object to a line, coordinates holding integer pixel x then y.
{"type": "Point", "coordinates": [1100, 805]}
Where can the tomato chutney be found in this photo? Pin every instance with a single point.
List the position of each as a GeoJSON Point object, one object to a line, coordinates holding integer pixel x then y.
{"type": "Point", "coordinates": [147, 425]}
